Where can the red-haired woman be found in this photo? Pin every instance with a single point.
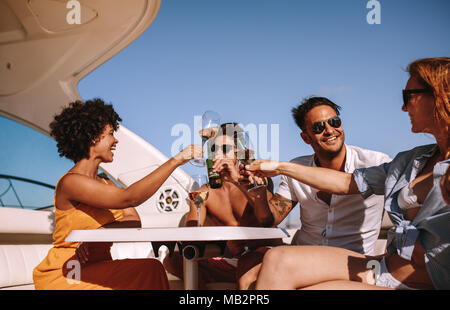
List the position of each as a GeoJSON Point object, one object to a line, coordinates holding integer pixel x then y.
{"type": "Point", "coordinates": [416, 189]}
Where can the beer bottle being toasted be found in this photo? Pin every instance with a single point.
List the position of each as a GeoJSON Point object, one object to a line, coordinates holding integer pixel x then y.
{"type": "Point", "coordinates": [215, 179]}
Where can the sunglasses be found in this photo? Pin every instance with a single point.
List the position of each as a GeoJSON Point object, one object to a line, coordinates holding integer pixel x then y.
{"type": "Point", "coordinates": [319, 127]}
{"type": "Point", "coordinates": [408, 92]}
{"type": "Point", "coordinates": [224, 147]}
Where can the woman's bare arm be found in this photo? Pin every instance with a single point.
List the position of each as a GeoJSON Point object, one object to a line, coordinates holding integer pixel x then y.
{"type": "Point", "coordinates": [81, 188]}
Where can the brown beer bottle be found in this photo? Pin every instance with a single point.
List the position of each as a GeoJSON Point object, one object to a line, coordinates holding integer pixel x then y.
{"type": "Point", "coordinates": [215, 179]}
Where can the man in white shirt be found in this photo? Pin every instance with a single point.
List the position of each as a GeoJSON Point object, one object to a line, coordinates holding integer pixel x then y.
{"type": "Point", "coordinates": [343, 221]}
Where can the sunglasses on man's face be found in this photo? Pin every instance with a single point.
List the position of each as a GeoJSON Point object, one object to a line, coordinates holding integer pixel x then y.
{"type": "Point", "coordinates": [407, 92]}
{"type": "Point", "coordinates": [319, 127]}
{"type": "Point", "coordinates": [224, 147]}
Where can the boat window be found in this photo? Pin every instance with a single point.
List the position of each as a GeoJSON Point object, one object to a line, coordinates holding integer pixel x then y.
{"type": "Point", "coordinates": [29, 167]}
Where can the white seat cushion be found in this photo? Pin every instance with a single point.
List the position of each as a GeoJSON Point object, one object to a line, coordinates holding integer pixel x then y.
{"type": "Point", "coordinates": [18, 261]}
{"type": "Point", "coordinates": [19, 287]}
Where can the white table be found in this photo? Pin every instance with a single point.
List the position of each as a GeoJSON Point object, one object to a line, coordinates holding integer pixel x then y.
{"type": "Point", "coordinates": [191, 252]}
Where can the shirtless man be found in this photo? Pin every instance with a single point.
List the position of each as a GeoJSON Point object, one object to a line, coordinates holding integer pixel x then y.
{"type": "Point", "coordinates": [225, 206]}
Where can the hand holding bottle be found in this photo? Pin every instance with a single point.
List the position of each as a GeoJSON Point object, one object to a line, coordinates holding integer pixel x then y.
{"type": "Point", "coordinates": [227, 169]}
{"type": "Point", "coordinates": [214, 177]}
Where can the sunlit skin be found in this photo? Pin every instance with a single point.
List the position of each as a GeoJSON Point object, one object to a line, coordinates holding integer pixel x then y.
{"type": "Point", "coordinates": [82, 185]}
{"type": "Point", "coordinates": [328, 145]}
{"type": "Point", "coordinates": [225, 206]}
{"type": "Point", "coordinates": [104, 145]}
{"type": "Point", "coordinates": [342, 273]}
{"type": "Point", "coordinates": [420, 109]}
{"type": "Point", "coordinates": [329, 152]}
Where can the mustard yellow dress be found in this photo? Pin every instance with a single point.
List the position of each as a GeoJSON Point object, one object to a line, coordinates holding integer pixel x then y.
{"type": "Point", "coordinates": [60, 269]}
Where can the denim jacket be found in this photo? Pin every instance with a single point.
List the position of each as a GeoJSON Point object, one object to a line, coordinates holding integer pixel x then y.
{"type": "Point", "coordinates": [431, 226]}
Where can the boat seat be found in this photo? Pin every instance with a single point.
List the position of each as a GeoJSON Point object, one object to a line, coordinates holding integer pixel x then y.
{"type": "Point", "coordinates": [21, 251]}
{"type": "Point", "coordinates": [17, 261]}
{"type": "Point", "coordinates": [26, 237]}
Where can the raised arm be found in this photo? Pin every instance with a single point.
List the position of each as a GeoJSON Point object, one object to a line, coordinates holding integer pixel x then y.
{"type": "Point", "coordinates": [269, 209]}
{"type": "Point", "coordinates": [328, 180]}
{"type": "Point", "coordinates": [81, 188]}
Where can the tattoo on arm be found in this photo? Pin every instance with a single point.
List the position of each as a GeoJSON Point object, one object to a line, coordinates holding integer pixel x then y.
{"type": "Point", "coordinates": [280, 207]}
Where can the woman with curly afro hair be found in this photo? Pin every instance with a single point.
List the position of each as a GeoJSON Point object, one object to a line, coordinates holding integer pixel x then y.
{"type": "Point", "coordinates": [84, 133]}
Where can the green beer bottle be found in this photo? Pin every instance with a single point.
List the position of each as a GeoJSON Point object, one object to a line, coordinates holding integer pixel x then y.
{"type": "Point", "coordinates": [215, 180]}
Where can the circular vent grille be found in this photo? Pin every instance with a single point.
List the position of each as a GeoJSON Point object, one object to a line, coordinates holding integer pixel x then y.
{"type": "Point", "coordinates": [168, 200]}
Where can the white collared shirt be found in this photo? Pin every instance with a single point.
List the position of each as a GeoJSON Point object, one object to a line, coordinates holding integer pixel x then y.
{"type": "Point", "coordinates": [350, 221]}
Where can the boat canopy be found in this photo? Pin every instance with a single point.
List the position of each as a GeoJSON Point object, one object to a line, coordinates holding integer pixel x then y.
{"type": "Point", "coordinates": [45, 52]}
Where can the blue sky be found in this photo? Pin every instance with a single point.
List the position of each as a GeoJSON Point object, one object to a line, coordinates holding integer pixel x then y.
{"type": "Point", "coordinates": [252, 61]}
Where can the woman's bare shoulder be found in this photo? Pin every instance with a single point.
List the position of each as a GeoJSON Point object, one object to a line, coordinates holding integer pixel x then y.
{"type": "Point", "coordinates": [70, 179]}
{"type": "Point", "coordinates": [64, 184]}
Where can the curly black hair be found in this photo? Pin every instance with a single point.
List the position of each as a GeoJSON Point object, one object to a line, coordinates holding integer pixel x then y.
{"type": "Point", "coordinates": [307, 105]}
{"type": "Point", "coordinates": [79, 124]}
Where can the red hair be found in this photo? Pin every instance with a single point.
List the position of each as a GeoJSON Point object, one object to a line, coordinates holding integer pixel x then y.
{"type": "Point", "coordinates": [434, 73]}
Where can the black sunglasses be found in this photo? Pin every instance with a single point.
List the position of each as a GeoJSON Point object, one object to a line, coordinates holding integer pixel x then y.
{"type": "Point", "coordinates": [319, 127]}
{"type": "Point", "coordinates": [407, 92]}
{"type": "Point", "coordinates": [225, 148]}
